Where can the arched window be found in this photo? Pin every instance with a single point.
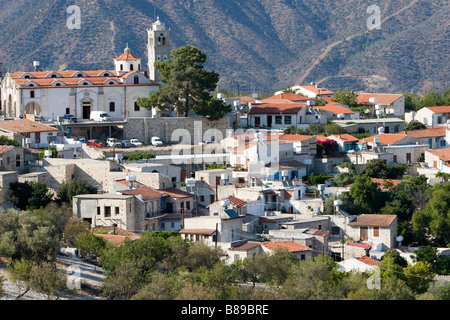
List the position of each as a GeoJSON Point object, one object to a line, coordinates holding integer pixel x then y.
{"type": "Point", "coordinates": [111, 82]}
{"type": "Point", "coordinates": [136, 107]}
{"type": "Point", "coordinates": [131, 67]}
{"type": "Point", "coordinates": [106, 75]}
{"type": "Point", "coordinates": [121, 67]}
{"type": "Point", "coordinates": [136, 80]}
{"type": "Point", "coordinates": [58, 84]}
{"type": "Point", "coordinates": [112, 106]}
{"type": "Point", "coordinates": [27, 77]}
{"type": "Point", "coordinates": [163, 40]}
{"type": "Point", "coordinates": [139, 66]}
{"type": "Point", "coordinates": [31, 85]}
{"type": "Point", "coordinates": [67, 110]}
{"type": "Point", "coordinates": [85, 83]}
{"type": "Point", "coordinates": [80, 75]}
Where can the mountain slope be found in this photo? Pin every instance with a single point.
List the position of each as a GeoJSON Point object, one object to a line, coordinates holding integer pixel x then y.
{"type": "Point", "coordinates": [258, 45]}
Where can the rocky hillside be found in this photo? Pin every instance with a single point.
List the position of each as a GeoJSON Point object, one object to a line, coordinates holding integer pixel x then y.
{"type": "Point", "coordinates": [257, 45]}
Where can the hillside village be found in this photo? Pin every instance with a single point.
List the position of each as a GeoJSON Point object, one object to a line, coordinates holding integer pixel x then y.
{"type": "Point", "coordinates": [256, 180]}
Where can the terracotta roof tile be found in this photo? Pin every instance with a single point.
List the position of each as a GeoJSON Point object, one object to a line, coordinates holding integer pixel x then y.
{"type": "Point", "coordinates": [382, 98]}
{"type": "Point", "coordinates": [373, 220]}
{"type": "Point", "coordinates": [25, 126]}
{"type": "Point", "coordinates": [146, 192]}
{"type": "Point", "coordinates": [438, 131]}
{"type": "Point", "coordinates": [440, 109]}
{"type": "Point", "coordinates": [3, 148]}
{"type": "Point", "coordinates": [294, 137]}
{"type": "Point", "coordinates": [247, 246]}
{"type": "Point", "coordinates": [385, 138]}
{"type": "Point", "coordinates": [334, 108]}
{"type": "Point", "coordinates": [176, 193]}
{"type": "Point", "coordinates": [359, 245]}
{"type": "Point", "coordinates": [292, 246]}
{"type": "Point", "coordinates": [443, 154]}
{"type": "Point", "coordinates": [367, 260]}
{"type": "Point", "coordinates": [290, 96]}
{"type": "Point", "coordinates": [316, 90]}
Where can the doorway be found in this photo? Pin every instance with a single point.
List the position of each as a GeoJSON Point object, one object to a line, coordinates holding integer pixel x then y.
{"type": "Point", "coordinates": [363, 233]}
{"type": "Point", "coordinates": [86, 110]}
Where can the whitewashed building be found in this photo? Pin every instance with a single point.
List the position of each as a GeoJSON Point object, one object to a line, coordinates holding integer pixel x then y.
{"type": "Point", "coordinates": [49, 94]}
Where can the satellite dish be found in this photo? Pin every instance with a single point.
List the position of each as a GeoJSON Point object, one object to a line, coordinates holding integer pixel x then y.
{"type": "Point", "coordinates": [399, 238]}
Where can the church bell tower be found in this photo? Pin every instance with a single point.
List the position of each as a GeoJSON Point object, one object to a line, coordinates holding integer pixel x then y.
{"type": "Point", "coordinates": [158, 47]}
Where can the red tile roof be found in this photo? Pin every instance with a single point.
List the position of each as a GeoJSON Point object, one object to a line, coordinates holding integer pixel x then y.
{"type": "Point", "coordinates": [344, 137]}
{"type": "Point", "coordinates": [382, 98]}
{"type": "Point", "coordinates": [373, 220]}
{"type": "Point", "coordinates": [294, 137]}
{"type": "Point", "coordinates": [146, 192]}
{"type": "Point", "coordinates": [367, 260]}
{"type": "Point", "coordinates": [127, 56]}
{"type": "Point", "coordinates": [292, 246]}
{"type": "Point", "coordinates": [176, 193]}
{"type": "Point", "coordinates": [247, 246]}
{"type": "Point", "coordinates": [276, 108]}
{"type": "Point", "coordinates": [335, 109]}
{"type": "Point", "coordinates": [25, 126]}
{"type": "Point", "coordinates": [443, 154]}
{"type": "Point", "coordinates": [381, 182]}
{"type": "Point", "coordinates": [438, 131]}
{"type": "Point", "coordinates": [316, 90]}
{"type": "Point", "coordinates": [116, 239]}
{"type": "Point", "coordinates": [290, 96]}
{"type": "Point", "coordinates": [321, 138]}
{"type": "Point", "coordinates": [440, 109]}
{"type": "Point", "coordinates": [3, 148]}
{"type": "Point", "coordinates": [385, 138]}
{"type": "Point", "coordinates": [359, 245]}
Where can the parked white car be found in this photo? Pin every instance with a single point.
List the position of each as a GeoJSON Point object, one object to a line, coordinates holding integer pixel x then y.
{"type": "Point", "coordinates": [156, 142]}
{"type": "Point", "coordinates": [135, 142]}
{"type": "Point", "coordinates": [113, 142]}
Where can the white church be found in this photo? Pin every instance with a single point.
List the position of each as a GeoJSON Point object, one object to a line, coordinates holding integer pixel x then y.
{"type": "Point", "coordinates": [49, 94]}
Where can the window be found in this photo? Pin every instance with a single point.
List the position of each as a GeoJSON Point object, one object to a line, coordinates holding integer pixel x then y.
{"type": "Point", "coordinates": [287, 119]}
{"type": "Point", "coordinates": [188, 205]}
{"type": "Point", "coordinates": [53, 75]}
{"type": "Point", "coordinates": [79, 75]}
{"type": "Point", "coordinates": [136, 107]}
{"type": "Point", "coordinates": [98, 211]}
{"type": "Point", "coordinates": [121, 67]}
{"type": "Point", "coordinates": [67, 110]}
{"type": "Point", "coordinates": [163, 226]}
{"type": "Point", "coordinates": [107, 212]}
{"type": "Point", "coordinates": [112, 106]}
{"type": "Point", "coordinates": [117, 210]}
{"type": "Point", "coordinates": [18, 161]}
{"type": "Point", "coordinates": [58, 84]}
{"type": "Point", "coordinates": [182, 205]}
{"type": "Point", "coordinates": [32, 94]}
{"type": "Point", "coordinates": [302, 257]}
{"type": "Point", "coordinates": [202, 198]}
{"type": "Point", "coordinates": [376, 231]}
{"type": "Point", "coordinates": [278, 119]}
{"type": "Point", "coordinates": [136, 80]}
{"type": "Point", "coordinates": [131, 67]}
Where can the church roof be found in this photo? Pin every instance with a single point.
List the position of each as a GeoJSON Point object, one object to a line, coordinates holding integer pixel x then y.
{"type": "Point", "coordinates": [127, 56]}
{"type": "Point", "coordinates": [73, 78]}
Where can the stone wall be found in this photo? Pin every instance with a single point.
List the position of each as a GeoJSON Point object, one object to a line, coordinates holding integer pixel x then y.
{"type": "Point", "coordinates": [166, 129]}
